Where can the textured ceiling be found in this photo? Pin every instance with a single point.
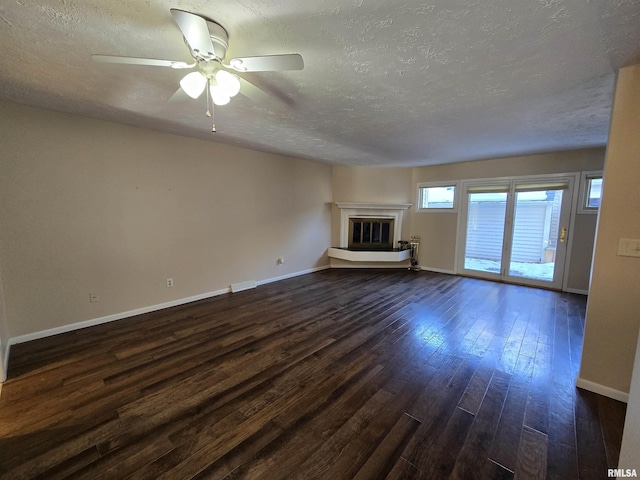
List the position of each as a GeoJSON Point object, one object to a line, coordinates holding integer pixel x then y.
{"type": "Point", "coordinates": [417, 82]}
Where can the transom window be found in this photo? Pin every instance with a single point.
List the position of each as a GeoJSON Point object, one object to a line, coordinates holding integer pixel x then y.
{"type": "Point", "coordinates": [591, 192]}
{"type": "Point", "coordinates": [437, 196]}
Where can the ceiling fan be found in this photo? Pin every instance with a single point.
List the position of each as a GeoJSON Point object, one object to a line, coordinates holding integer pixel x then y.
{"type": "Point", "coordinates": [208, 42]}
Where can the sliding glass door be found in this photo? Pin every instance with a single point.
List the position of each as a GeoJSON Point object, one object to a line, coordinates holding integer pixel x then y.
{"type": "Point", "coordinates": [516, 230]}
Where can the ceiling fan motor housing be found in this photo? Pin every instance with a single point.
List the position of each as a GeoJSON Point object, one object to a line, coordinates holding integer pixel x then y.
{"type": "Point", "coordinates": [219, 39]}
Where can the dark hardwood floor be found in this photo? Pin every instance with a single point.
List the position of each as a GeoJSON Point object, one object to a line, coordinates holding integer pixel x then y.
{"type": "Point", "coordinates": [340, 374]}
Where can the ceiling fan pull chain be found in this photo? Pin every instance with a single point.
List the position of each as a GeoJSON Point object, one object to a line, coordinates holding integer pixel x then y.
{"type": "Point", "coordinates": [208, 113]}
{"type": "Point", "coordinates": [210, 107]}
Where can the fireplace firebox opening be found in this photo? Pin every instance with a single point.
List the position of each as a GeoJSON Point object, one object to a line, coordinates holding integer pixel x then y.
{"type": "Point", "coordinates": [371, 233]}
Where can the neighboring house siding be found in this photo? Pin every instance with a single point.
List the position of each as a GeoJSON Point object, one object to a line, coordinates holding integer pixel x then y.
{"type": "Point", "coordinates": [528, 239]}
{"type": "Point", "coordinates": [486, 225]}
{"type": "Point", "coordinates": [484, 231]}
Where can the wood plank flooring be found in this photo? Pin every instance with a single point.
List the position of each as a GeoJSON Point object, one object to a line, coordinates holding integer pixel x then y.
{"type": "Point", "coordinates": [339, 374]}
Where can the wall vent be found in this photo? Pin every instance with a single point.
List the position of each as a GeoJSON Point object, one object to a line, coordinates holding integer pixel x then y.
{"type": "Point", "coordinates": [239, 287]}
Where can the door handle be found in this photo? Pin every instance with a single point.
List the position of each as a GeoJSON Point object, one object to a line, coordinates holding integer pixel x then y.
{"type": "Point", "coordinates": [563, 234]}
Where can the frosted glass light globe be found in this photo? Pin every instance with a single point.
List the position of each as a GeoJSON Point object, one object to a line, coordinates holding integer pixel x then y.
{"type": "Point", "coordinates": [228, 83]}
{"type": "Point", "coordinates": [193, 84]}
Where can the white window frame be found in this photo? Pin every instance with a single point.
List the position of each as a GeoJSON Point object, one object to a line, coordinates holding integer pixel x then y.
{"type": "Point", "coordinates": [452, 209]}
{"type": "Point", "coordinates": [584, 191]}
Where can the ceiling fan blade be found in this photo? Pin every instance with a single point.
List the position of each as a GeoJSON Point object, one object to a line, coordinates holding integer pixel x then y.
{"type": "Point", "coordinates": [251, 91]}
{"type": "Point", "coordinates": [141, 61]}
{"type": "Point", "coordinates": [195, 31]}
{"type": "Point", "coordinates": [268, 63]}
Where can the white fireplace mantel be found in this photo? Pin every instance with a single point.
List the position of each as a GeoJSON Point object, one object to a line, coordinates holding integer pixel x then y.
{"type": "Point", "coordinates": [378, 206]}
{"type": "Point", "coordinates": [381, 210]}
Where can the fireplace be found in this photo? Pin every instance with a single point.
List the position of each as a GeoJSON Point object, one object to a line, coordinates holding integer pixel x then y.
{"type": "Point", "coordinates": [370, 226]}
{"type": "Point", "coordinates": [371, 233]}
{"type": "Point", "coordinates": [368, 234]}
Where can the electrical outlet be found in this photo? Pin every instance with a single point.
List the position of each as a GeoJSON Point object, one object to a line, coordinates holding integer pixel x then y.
{"type": "Point", "coordinates": [93, 297]}
{"type": "Point", "coordinates": [169, 282]}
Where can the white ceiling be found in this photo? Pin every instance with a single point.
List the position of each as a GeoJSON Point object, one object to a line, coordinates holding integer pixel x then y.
{"type": "Point", "coordinates": [418, 82]}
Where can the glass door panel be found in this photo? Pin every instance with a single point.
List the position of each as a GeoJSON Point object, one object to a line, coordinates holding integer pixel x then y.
{"type": "Point", "coordinates": [486, 214]}
{"type": "Point", "coordinates": [535, 234]}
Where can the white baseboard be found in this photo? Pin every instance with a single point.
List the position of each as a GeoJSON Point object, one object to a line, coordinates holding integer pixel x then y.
{"type": "Point", "coordinates": [451, 272]}
{"type": "Point", "coordinates": [602, 390]}
{"type": "Point", "coordinates": [577, 290]}
{"type": "Point", "coordinates": [438, 270]}
{"type": "Point", "coordinates": [291, 275]}
{"type": "Point", "coordinates": [5, 363]}
{"type": "Point", "coordinates": [371, 266]}
{"type": "Point", "coordinates": [139, 311]}
{"type": "Point", "coordinates": [111, 318]}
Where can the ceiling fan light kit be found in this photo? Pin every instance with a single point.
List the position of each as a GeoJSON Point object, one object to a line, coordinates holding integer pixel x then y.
{"type": "Point", "coordinates": [222, 84]}
{"type": "Point", "coordinates": [218, 97]}
{"type": "Point", "coordinates": [208, 42]}
{"type": "Point", "coordinates": [193, 84]}
{"type": "Point", "coordinates": [228, 83]}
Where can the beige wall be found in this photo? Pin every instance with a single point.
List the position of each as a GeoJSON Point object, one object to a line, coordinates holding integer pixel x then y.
{"type": "Point", "coordinates": [582, 241]}
{"type": "Point", "coordinates": [438, 231]}
{"type": "Point", "coordinates": [92, 206]}
{"type": "Point", "coordinates": [631, 435]}
{"type": "Point", "coordinates": [372, 185]}
{"type": "Point", "coordinates": [613, 317]}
